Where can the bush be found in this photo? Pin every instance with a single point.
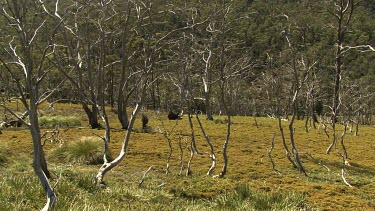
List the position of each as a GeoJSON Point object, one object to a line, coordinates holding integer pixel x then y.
{"type": "Point", "coordinates": [59, 121]}
{"type": "Point", "coordinates": [4, 153]}
{"type": "Point", "coordinates": [88, 150]}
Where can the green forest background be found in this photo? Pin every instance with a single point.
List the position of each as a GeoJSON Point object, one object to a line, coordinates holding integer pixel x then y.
{"type": "Point", "coordinates": [253, 43]}
{"type": "Point", "coordinates": [102, 64]}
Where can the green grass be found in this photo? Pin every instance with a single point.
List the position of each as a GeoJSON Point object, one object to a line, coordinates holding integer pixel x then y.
{"type": "Point", "coordinates": [250, 183]}
{"type": "Point", "coordinates": [75, 191]}
{"type": "Point", "coordinates": [5, 153]}
{"type": "Point", "coordinates": [243, 198]}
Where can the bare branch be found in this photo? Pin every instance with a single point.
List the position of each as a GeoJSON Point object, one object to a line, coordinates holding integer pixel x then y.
{"type": "Point", "coordinates": [36, 31]}
{"type": "Point", "coordinates": [144, 177]}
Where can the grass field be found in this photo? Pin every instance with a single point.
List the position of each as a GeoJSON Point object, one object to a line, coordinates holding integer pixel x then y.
{"type": "Point", "coordinates": [250, 183]}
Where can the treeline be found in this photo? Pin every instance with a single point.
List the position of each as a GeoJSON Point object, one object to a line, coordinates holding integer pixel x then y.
{"type": "Point", "coordinates": [204, 55]}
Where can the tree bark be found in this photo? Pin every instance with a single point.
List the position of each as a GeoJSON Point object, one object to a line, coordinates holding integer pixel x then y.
{"type": "Point", "coordinates": [212, 151]}
{"type": "Point", "coordinates": [344, 7]}
{"type": "Point", "coordinates": [107, 166]}
{"type": "Point", "coordinates": [39, 161]}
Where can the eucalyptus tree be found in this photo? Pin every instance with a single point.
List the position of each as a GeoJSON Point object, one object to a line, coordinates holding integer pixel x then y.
{"type": "Point", "coordinates": [123, 83]}
{"type": "Point", "coordinates": [291, 73]}
{"type": "Point", "coordinates": [149, 57]}
{"type": "Point", "coordinates": [342, 11]}
{"type": "Point", "coordinates": [86, 32]}
{"type": "Point", "coordinates": [27, 47]}
{"type": "Point", "coordinates": [227, 60]}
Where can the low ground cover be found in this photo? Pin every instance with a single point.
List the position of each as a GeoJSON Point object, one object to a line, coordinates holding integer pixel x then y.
{"type": "Point", "coordinates": [250, 184]}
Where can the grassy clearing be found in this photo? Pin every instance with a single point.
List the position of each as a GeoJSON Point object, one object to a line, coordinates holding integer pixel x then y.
{"type": "Point", "coordinates": [251, 184]}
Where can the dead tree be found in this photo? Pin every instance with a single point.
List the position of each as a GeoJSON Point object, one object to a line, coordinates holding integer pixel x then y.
{"type": "Point", "coordinates": [146, 68]}
{"type": "Point", "coordinates": [34, 37]}
{"type": "Point", "coordinates": [166, 134]}
{"type": "Point", "coordinates": [343, 12]}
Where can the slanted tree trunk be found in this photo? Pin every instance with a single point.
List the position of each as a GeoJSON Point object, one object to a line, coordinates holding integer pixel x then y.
{"type": "Point", "coordinates": [107, 166]}
{"type": "Point", "coordinates": [39, 161]}
{"type": "Point", "coordinates": [208, 140]}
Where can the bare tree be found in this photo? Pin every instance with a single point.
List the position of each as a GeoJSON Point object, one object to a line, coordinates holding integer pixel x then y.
{"type": "Point", "coordinates": [146, 68]}
{"type": "Point", "coordinates": [230, 66]}
{"type": "Point", "coordinates": [30, 45]}
{"type": "Point", "coordinates": [342, 10]}
{"type": "Point", "coordinates": [86, 53]}
{"type": "Point", "coordinates": [126, 88]}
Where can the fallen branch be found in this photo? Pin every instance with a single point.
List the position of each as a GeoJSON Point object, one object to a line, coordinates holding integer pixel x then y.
{"type": "Point", "coordinates": [52, 136]}
{"type": "Point", "coordinates": [144, 176]}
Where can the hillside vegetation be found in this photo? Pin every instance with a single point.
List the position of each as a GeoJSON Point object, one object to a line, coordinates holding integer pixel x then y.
{"type": "Point", "coordinates": [170, 105]}
{"type": "Point", "coordinates": [250, 183]}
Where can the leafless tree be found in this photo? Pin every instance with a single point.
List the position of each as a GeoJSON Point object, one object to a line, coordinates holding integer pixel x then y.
{"type": "Point", "coordinates": [27, 64]}
{"type": "Point", "coordinates": [342, 10]}
{"type": "Point", "coordinates": [229, 66]}
{"type": "Point", "coordinates": [146, 68]}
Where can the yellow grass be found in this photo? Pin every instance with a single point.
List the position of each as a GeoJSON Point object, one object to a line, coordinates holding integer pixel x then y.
{"type": "Point", "coordinates": [248, 160]}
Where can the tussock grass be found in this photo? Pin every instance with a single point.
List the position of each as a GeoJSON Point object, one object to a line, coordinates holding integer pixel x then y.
{"type": "Point", "coordinates": [221, 121]}
{"type": "Point", "coordinates": [59, 121]}
{"type": "Point", "coordinates": [243, 198]}
{"type": "Point", "coordinates": [87, 150]}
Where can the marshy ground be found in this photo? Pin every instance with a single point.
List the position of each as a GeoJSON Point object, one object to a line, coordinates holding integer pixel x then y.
{"type": "Point", "coordinates": [250, 182]}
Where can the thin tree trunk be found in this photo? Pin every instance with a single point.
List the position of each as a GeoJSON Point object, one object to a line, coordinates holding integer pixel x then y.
{"type": "Point", "coordinates": [193, 142]}
{"type": "Point", "coordinates": [342, 29]}
{"type": "Point", "coordinates": [225, 148]}
{"type": "Point", "coordinates": [212, 151]}
{"type": "Point", "coordinates": [287, 152]}
{"type": "Point", "coordinates": [208, 104]}
{"type": "Point", "coordinates": [294, 148]}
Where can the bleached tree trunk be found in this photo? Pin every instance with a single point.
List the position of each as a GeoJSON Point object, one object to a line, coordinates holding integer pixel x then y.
{"type": "Point", "coordinates": [343, 15]}
{"type": "Point", "coordinates": [107, 166]}
{"type": "Point", "coordinates": [212, 150]}
{"type": "Point", "coordinates": [207, 80]}
{"type": "Point", "coordinates": [32, 73]}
